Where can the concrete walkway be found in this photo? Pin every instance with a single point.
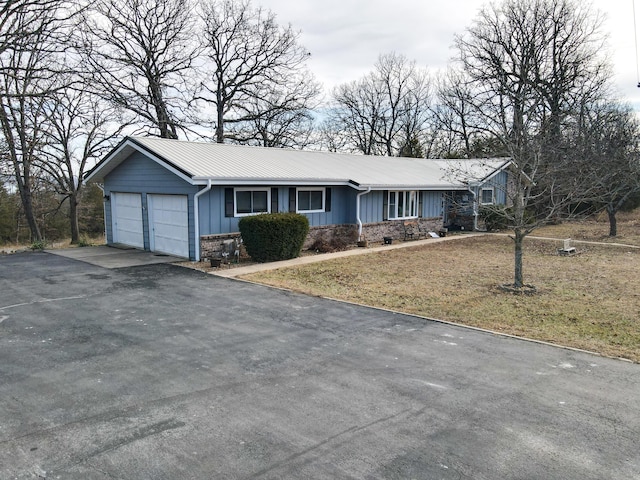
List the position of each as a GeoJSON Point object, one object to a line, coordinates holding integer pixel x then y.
{"type": "Point", "coordinates": [261, 267]}
{"type": "Point", "coordinates": [114, 256]}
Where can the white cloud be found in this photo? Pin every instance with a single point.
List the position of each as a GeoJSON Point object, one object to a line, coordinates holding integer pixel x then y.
{"type": "Point", "coordinates": [345, 37]}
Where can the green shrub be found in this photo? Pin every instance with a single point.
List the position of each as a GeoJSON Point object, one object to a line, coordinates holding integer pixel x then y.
{"type": "Point", "coordinates": [84, 241]}
{"type": "Point", "coordinates": [39, 245]}
{"type": "Point", "coordinates": [274, 236]}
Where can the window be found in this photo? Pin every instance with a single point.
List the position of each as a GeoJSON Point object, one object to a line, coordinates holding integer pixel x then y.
{"type": "Point", "coordinates": [403, 204]}
{"type": "Point", "coordinates": [250, 202]}
{"type": "Point", "coordinates": [487, 196]}
{"type": "Point", "coordinates": [311, 200]}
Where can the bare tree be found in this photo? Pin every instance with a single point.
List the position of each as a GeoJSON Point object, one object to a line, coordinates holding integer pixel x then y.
{"type": "Point", "coordinates": [31, 44]}
{"type": "Point", "coordinates": [386, 111]}
{"type": "Point", "coordinates": [140, 55]}
{"type": "Point", "coordinates": [532, 64]}
{"type": "Point", "coordinates": [455, 118]}
{"type": "Point", "coordinates": [254, 69]}
{"type": "Point", "coordinates": [280, 116]}
{"type": "Point", "coordinates": [357, 114]}
{"type": "Point", "coordinates": [609, 153]}
{"type": "Point", "coordinates": [79, 128]}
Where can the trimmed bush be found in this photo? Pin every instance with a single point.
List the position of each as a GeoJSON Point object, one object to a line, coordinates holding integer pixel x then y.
{"type": "Point", "coordinates": [274, 236]}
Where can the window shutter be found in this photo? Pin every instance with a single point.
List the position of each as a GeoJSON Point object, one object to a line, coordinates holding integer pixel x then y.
{"type": "Point", "coordinates": [385, 205]}
{"type": "Point", "coordinates": [228, 202]}
{"type": "Point", "coordinates": [274, 200]}
{"type": "Point", "coordinates": [292, 199]}
{"type": "Point", "coordinates": [327, 200]}
{"type": "Point", "coordinates": [420, 202]}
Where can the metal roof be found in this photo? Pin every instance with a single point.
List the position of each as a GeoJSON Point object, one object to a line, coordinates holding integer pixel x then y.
{"type": "Point", "coordinates": [199, 162]}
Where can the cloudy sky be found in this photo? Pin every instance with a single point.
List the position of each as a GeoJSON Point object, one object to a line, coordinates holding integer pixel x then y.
{"type": "Point", "coordinates": [345, 37]}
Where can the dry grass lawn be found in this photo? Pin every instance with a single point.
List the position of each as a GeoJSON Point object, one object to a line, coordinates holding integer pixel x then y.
{"type": "Point", "coordinates": [590, 300]}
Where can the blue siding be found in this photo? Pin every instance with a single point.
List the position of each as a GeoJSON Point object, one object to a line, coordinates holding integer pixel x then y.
{"type": "Point", "coordinates": [139, 174]}
{"type": "Point", "coordinates": [371, 206]}
{"type": "Point", "coordinates": [432, 204]}
{"type": "Point", "coordinates": [213, 220]}
{"type": "Point", "coordinates": [499, 185]}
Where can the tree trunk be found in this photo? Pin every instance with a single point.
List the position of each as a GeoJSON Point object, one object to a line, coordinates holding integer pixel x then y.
{"type": "Point", "coordinates": [220, 118]}
{"type": "Point", "coordinates": [27, 204]}
{"type": "Point", "coordinates": [613, 222]}
{"type": "Point", "coordinates": [73, 219]}
{"type": "Point", "coordinates": [518, 239]}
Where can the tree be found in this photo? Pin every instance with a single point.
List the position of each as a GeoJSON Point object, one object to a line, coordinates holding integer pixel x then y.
{"type": "Point", "coordinates": [79, 128]}
{"type": "Point", "coordinates": [140, 55]}
{"type": "Point", "coordinates": [32, 37]}
{"type": "Point", "coordinates": [455, 118]}
{"type": "Point", "coordinates": [532, 65]}
{"type": "Point", "coordinates": [280, 117]}
{"type": "Point", "coordinates": [386, 111]}
{"type": "Point", "coordinates": [610, 154]}
{"type": "Point", "coordinates": [255, 72]}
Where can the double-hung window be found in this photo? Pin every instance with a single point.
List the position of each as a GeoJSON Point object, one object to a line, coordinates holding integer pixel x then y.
{"type": "Point", "coordinates": [310, 200]}
{"type": "Point", "coordinates": [250, 201]}
{"type": "Point", "coordinates": [486, 196]}
{"type": "Point", "coordinates": [403, 204]}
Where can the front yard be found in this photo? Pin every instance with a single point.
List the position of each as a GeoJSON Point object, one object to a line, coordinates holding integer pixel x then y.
{"type": "Point", "coordinates": [589, 301]}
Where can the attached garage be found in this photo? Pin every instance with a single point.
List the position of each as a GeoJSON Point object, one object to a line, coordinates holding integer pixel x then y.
{"type": "Point", "coordinates": [182, 198]}
{"type": "Point", "coordinates": [169, 224]}
{"type": "Point", "coordinates": [126, 215]}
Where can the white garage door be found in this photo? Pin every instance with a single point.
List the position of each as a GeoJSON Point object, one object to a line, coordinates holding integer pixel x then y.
{"type": "Point", "coordinates": [169, 224]}
{"type": "Point", "coordinates": [126, 212]}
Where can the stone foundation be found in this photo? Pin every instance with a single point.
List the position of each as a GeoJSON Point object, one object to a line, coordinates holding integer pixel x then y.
{"type": "Point", "coordinates": [211, 246]}
{"type": "Point", "coordinates": [375, 232]}
{"type": "Point", "coordinates": [346, 234]}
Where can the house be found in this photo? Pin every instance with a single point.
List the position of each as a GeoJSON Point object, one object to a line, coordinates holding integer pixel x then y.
{"type": "Point", "coordinates": [184, 198]}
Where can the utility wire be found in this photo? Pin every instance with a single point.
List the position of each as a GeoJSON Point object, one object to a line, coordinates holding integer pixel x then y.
{"type": "Point", "coordinates": [635, 32]}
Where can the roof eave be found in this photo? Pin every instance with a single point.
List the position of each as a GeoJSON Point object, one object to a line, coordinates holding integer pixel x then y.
{"type": "Point", "coordinates": [121, 152]}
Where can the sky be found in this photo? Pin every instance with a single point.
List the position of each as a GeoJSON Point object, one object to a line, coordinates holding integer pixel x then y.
{"type": "Point", "coordinates": [345, 37]}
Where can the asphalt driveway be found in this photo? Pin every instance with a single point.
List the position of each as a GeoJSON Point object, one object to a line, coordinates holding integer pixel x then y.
{"type": "Point", "coordinates": [159, 372]}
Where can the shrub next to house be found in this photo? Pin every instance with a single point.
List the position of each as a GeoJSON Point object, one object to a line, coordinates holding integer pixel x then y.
{"type": "Point", "coordinates": [274, 236]}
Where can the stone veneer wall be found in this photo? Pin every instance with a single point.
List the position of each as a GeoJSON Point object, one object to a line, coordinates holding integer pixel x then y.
{"type": "Point", "coordinates": [375, 232]}
{"type": "Point", "coordinates": [211, 245]}
{"type": "Point", "coordinates": [348, 233]}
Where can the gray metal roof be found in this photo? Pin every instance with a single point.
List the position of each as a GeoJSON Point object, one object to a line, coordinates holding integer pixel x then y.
{"type": "Point", "coordinates": [199, 162]}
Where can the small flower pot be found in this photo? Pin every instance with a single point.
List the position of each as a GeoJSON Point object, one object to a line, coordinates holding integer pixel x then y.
{"type": "Point", "coordinates": [387, 240]}
{"type": "Point", "coordinates": [216, 262]}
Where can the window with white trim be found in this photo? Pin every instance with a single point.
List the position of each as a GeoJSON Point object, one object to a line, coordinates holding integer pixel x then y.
{"type": "Point", "coordinates": [403, 204]}
{"type": "Point", "coordinates": [486, 196]}
{"type": "Point", "coordinates": [251, 201]}
{"type": "Point", "coordinates": [310, 200]}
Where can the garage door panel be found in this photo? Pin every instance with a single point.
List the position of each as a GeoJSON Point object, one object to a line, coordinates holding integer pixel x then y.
{"type": "Point", "coordinates": [127, 219]}
{"type": "Point", "coordinates": [169, 224]}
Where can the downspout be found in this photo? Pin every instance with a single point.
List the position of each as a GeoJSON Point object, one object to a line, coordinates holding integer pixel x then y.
{"type": "Point", "coordinates": [104, 210]}
{"type": "Point", "coordinates": [358, 219]}
{"type": "Point", "coordinates": [196, 215]}
{"type": "Point", "coordinates": [475, 208]}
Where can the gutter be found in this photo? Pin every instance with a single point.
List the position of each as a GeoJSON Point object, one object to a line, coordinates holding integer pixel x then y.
{"type": "Point", "coordinates": [196, 215]}
{"type": "Point", "coordinates": [358, 219]}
